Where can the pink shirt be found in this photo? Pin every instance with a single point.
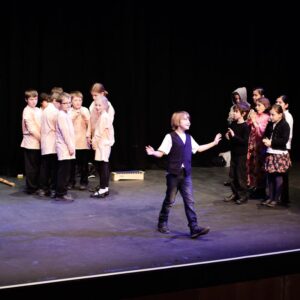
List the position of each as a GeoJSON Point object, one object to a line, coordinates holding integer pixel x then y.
{"type": "Point", "coordinates": [31, 127]}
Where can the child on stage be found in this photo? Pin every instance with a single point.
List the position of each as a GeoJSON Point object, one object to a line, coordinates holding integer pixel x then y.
{"type": "Point", "coordinates": [31, 128]}
{"type": "Point", "coordinates": [179, 147]}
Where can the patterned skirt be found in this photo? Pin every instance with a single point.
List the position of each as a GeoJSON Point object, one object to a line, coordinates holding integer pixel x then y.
{"type": "Point", "coordinates": [279, 163]}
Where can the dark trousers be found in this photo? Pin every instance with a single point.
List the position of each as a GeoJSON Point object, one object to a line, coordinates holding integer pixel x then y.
{"type": "Point", "coordinates": [32, 161]}
{"type": "Point", "coordinates": [81, 162]}
{"type": "Point", "coordinates": [48, 176]}
{"type": "Point", "coordinates": [238, 175]}
{"type": "Point", "coordinates": [63, 177]}
{"type": "Point", "coordinates": [103, 169]}
{"type": "Point", "coordinates": [183, 184]}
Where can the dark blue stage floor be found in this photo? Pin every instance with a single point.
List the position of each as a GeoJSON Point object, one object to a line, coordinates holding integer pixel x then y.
{"type": "Point", "coordinates": [44, 240]}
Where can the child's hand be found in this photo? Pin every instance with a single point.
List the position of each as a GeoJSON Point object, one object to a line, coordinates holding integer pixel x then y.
{"type": "Point", "coordinates": [149, 150]}
{"type": "Point", "coordinates": [252, 115]}
{"type": "Point", "coordinates": [267, 142]}
{"type": "Point", "coordinates": [230, 132]}
{"type": "Point", "coordinates": [218, 138]}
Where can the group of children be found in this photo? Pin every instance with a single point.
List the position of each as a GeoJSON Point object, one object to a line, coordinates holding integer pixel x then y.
{"type": "Point", "coordinates": [260, 141]}
{"type": "Point", "coordinates": [60, 136]}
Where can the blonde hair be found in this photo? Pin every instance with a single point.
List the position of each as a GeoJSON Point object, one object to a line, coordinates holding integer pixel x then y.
{"type": "Point", "coordinates": [176, 117]}
{"type": "Point", "coordinates": [99, 88]}
{"type": "Point", "coordinates": [76, 94]}
{"type": "Point", "coordinates": [30, 93]}
{"type": "Point", "coordinates": [57, 89]}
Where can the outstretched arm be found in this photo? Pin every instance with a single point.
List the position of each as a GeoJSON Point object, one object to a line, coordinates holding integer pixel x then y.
{"type": "Point", "coordinates": [151, 151]}
{"type": "Point", "coordinates": [216, 141]}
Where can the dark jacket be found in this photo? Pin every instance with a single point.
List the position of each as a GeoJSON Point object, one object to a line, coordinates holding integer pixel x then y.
{"type": "Point", "coordinates": [279, 134]}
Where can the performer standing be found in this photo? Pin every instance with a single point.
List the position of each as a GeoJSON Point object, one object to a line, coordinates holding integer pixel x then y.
{"type": "Point", "coordinates": [102, 142]}
{"type": "Point", "coordinates": [65, 147]}
{"type": "Point", "coordinates": [179, 147]}
{"type": "Point", "coordinates": [31, 128]}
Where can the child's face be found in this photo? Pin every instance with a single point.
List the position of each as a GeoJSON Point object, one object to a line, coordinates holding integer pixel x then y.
{"type": "Point", "coordinates": [95, 95]}
{"type": "Point", "coordinates": [275, 116]}
{"type": "Point", "coordinates": [32, 101]}
{"type": "Point", "coordinates": [184, 123]}
{"type": "Point", "coordinates": [99, 105]}
{"type": "Point", "coordinates": [66, 104]}
{"type": "Point", "coordinates": [260, 108]}
{"type": "Point", "coordinates": [236, 115]}
{"type": "Point", "coordinates": [76, 102]}
{"type": "Point", "coordinates": [44, 104]}
{"type": "Point", "coordinates": [280, 102]}
{"type": "Point", "coordinates": [237, 98]}
{"type": "Point", "coordinates": [56, 104]}
{"type": "Point", "coordinates": [255, 96]}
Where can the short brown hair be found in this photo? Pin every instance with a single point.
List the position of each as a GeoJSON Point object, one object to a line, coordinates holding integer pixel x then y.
{"type": "Point", "coordinates": [76, 94]}
{"type": "Point", "coordinates": [30, 93]}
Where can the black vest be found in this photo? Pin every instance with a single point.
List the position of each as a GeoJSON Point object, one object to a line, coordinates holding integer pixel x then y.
{"type": "Point", "coordinates": [180, 154]}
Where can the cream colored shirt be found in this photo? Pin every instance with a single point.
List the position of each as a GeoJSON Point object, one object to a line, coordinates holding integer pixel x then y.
{"type": "Point", "coordinates": [48, 129]}
{"type": "Point", "coordinates": [81, 120]}
{"type": "Point", "coordinates": [65, 136]}
{"type": "Point", "coordinates": [103, 138]}
{"type": "Point", "coordinates": [31, 128]}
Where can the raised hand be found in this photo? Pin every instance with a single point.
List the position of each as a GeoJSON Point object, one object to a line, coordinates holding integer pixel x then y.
{"type": "Point", "coordinates": [149, 150]}
{"type": "Point", "coordinates": [218, 138]}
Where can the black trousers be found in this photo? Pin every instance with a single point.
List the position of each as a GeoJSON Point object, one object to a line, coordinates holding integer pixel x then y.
{"type": "Point", "coordinates": [63, 177]}
{"type": "Point", "coordinates": [81, 162]}
{"type": "Point", "coordinates": [238, 175]}
{"type": "Point", "coordinates": [103, 169]}
{"type": "Point", "coordinates": [48, 175]}
{"type": "Point", "coordinates": [32, 161]}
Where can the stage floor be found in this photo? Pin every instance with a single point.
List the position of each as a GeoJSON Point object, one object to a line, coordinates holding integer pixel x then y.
{"type": "Point", "coordinates": [43, 240]}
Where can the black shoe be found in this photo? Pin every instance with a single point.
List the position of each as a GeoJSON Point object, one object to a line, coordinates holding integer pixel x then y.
{"type": "Point", "coordinates": [82, 187]}
{"type": "Point", "coordinates": [65, 198]}
{"type": "Point", "coordinates": [52, 194]}
{"type": "Point", "coordinates": [41, 193]}
{"type": "Point", "coordinates": [227, 183]}
{"type": "Point", "coordinates": [266, 202]}
{"type": "Point", "coordinates": [197, 231]}
{"type": "Point", "coordinates": [232, 197]}
{"type": "Point", "coordinates": [241, 200]}
{"type": "Point", "coordinates": [272, 204]}
{"type": "Point", "coordinates": [70, 186]}
{"type": "Point", "coordinates": [163, 228]}
{"type": "Point", "coordinates": [97, 194]}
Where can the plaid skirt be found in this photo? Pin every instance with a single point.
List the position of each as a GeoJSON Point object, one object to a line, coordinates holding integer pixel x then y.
{"type": "Point", "coordinates": [279, 163]}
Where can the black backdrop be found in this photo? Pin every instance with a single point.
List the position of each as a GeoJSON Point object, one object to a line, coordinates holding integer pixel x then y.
{"type": "Point", "coordinates": [153, 57]}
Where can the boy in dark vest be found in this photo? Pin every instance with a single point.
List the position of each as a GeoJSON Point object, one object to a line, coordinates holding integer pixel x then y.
{"type": "Point", "coordinates": [179, 147]}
